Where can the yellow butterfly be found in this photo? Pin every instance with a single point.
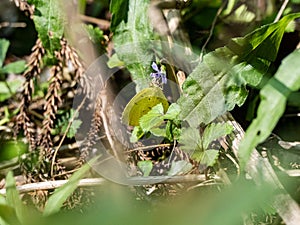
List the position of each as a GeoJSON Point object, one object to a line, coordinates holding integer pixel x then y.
{"type": "Point", "coordinates": [142, 103]}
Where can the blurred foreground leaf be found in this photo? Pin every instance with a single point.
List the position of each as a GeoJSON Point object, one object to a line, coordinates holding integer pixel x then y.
{"type": "Point", "coordinates": [60, 195]}
{"type": "Point", "coordinates": [273, 101]}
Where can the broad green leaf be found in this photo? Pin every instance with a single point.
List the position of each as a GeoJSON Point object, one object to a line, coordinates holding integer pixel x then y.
{"type": "Point", "coordinates": [146, 167]}
{"type": "Point", "coordinates": [219, 83]}
{"type": "Point", "coordinates": [60, 195]}
{"type": "Point", "coordinates": [214, 131]}
{"type": "Point", "coordinates": [153, 118]}
{"type": "Point", "coordinates": [273, 100]}
{"type": "Point", "coordinates": [209, 157]}
{"type": "Point", "coordinates": [142, 103]}
{"type": "Point", "coordinates": [49, 24]}
{"type": "Point", "coordinates": [132, 41]}
{"type": "Point", "coordinates": [118, 15]}
{"type": "Point", "coordinates": [4, 44]}
{"type": "Point", "coordinates": [178, 167]}
{"type": "Point", "coordinates": [190, 140]}
{"type": "Point", "coordinates": [15, 67]}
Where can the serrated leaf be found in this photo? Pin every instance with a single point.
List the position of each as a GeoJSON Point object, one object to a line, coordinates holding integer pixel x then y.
{"type": "Point", "coordinates": [49, 24]}
{"type": "Point", "coordinates": [146, 167]}
{"type": "Point", "coordinates": [273, 100]}
{"type": "Point", "coordinates": [219, 82]}
{"type": "Point", "coordinates": [4, 44]}
{"type": "Point", "coordinates": [190, 140]}
{"type": "Point", "coordinates": [214, 131]}
{"type": "Point", "coordinates": [209, 157]}
{"type": "Point", "coordinates": [178, 167]}
{"type": "Point", "coordinates": [153, 118]}
{"type": "Point", "coordinates": [14, 67]}
{"type": "Point", "coordinates": [60, 195]}
{"type": "Point", "coordinates": [132, 41]}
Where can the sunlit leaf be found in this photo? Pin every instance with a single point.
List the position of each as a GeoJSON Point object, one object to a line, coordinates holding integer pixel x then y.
{"type": "Point", "coordinates": [49, 23]}
{"type": "Point", "coordinates": [219, 82]}
{"type": "Point", "coordinates": [132, 40]}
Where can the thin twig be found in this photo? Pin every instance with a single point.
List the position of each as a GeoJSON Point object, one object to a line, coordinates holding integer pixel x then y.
{"type": "Point", "coordinates": [65, 134]}
{"type": "Point", "coordinates": [11, 24]}
{"type": "Point", "coordinates": [49, 185]}
{"type": "Point", "coordinates": [103, 24]}
{"type": "Point", "coordinates": [282, 8]}
{"type": "Point", "coordinates": [91, 182]}
{"type": "Point", "coordinates": [103, 111]}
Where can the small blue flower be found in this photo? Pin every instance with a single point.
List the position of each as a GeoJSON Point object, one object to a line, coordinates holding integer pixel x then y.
{"type": "Point", "coordinates": [160, 73]}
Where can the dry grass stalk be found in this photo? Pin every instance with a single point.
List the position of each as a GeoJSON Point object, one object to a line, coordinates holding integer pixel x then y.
{"type": "Point", "coordinates": [92, 136]}
{"type": "Point", "coordinates": [31, 74]}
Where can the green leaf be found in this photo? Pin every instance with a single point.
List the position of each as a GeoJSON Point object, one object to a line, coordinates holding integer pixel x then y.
{"type": "Point", "coordinates": [7, 92]}
{"type": "Point", "coordinates": [118, 15]}
{"type": "Point", "coordinates": [145, 167]}
{"type": "Point", "coordinates": [219, 83]}
{"type": "Point", "coordinates": [60, 195]}
{"type": "Point", "coordinates": [178, 167]}
{"type": "Point", "coordinates": [153, 118]}
{"type": "Point", "coordinates": [49, 24]}
{"type": "Point", "coordinates": [132, 41]}
{"type": "Point", "coordinates": [8, 215]}
{"type": "Point", "coordinates": [4, 44]}
{"type": "Point", "coordinates": [159, 132]}
{"type": "Point", "coordinates": [273, 100]}
{"type": "Point", "coordinates": [15, 67]}
{"type": "Point", "coordinates": [136, 134]}
{"type": "Point", "coordinates": [142, 103]}
{"type": "Point", "coordinates": [114, 61]}
{"type": "Point", "coordinates": [214, 131]}
{"type": "Point", "coordinates": [190, 139]}
{"type": "Point", "coordinates": [13, 198]}
{"type": "Point", "coordinates": [209, 157]}
{"type": "Point", "coordinates": [173, 112]}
